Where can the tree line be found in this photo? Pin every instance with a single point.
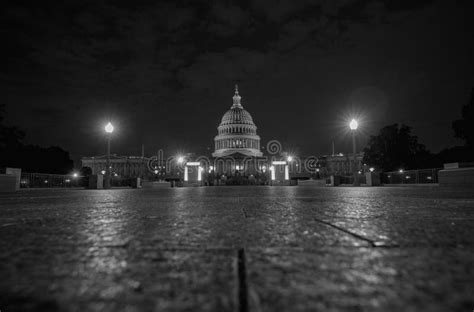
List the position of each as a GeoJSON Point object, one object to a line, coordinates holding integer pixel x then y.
{"type": "Point", "coordinates": [395, 147]}
{"type": "Point", "coordinates": [30, 158]}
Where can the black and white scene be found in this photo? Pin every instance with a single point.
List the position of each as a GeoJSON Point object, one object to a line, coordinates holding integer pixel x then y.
{"type": "Point", "coordinates": [237, 155]}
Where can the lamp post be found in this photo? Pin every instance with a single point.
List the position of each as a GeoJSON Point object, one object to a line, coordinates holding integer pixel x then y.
{"type": "Point", "coordinates": [354, 125]}
{"type": "Point", "coordinates": [108, 129]}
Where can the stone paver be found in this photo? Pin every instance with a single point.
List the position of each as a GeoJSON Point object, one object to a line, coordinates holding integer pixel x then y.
{"type": "Point", "coordinates": [237, 248]}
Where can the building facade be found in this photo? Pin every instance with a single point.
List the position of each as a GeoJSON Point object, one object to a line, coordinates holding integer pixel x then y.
{"type": "Point", "coordinates": [342, 164]}
{"type": "Point", "coordinates": [122, 166]}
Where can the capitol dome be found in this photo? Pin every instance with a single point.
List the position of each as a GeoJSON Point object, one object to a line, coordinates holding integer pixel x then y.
{"type": "Point", "coordinates": [237, 132]}
{"type": "Point", "coordinates": [237, 115]}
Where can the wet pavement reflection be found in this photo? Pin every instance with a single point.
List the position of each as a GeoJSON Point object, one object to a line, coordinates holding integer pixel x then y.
{"type": "Point", "coordinates": [180, 249]}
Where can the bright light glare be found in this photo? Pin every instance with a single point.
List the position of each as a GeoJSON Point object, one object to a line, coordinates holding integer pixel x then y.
{"type": "Point", "coordinates": [75, 174]}
{"type": "Point", "coordinates": [353, 124]}
{"type": "Point", "coordinates": [289, 158]}
{"type": "Point", "coordinates": [401, 170]}
{"type": "Point", "coordinates": [109, 128]}
{"type": "Point", "coordinates": [371, 169]}
{"type": "Point", "coordinates": [180, 159]}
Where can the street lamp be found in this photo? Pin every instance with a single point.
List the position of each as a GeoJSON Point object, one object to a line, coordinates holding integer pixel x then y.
{"type": "Point", "coordinates": [108, 129]}
{"type": "Point", "coordinates": [353, 125]}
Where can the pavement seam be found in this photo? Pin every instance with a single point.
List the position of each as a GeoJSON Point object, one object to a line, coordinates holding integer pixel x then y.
{"type": "Point", "coordinates": [242, 280]}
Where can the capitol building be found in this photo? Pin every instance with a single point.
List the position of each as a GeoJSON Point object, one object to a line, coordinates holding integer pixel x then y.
{"type": "Point", "coordinates": [237, 144]}
{"type": "Point", "coordinates": [237, 133]}
{"type": "Point", "coordinates": [237, 155]}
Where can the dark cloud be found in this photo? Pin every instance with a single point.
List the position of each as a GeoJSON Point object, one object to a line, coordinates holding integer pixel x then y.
{"type": "Point", "coordinates": [167, 69]}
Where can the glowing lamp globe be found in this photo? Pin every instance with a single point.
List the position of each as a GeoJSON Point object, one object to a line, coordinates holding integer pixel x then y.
{"type": "Point", "coordinates": [180, 160]}
{"type": "Point", "coordinates": [109, 128]}
{"type": "Point", "coordinates": [353, 124]}
{"type": "Point", "coordinates": [290, 158]}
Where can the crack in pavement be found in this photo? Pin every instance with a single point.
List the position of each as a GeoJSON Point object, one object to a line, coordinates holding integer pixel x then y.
{"type": "Point", "coordinates": [371, 242]}
{"type": "Point", "coordinates": [360, 237]}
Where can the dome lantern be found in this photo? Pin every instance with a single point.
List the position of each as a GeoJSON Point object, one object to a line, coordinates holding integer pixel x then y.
{"type": "Point", "coordinates": [236, 97]}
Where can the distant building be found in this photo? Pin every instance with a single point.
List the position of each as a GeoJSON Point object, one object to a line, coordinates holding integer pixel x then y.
{"type": "Point", "coordinates": [123, 166]}
{"type": "Point", "coordinates": [342, 164]}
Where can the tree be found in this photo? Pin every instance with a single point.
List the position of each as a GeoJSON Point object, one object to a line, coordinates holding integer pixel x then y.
{"type": "Point", "coordinates": [464, 127]}
{"type": "Point", "coordinates": [394, 148]}
{"type": "Point", "coordinates": [85, 171]}
{"type": "Point", "coordinates": [31, 158]}
{"type": "Point", "coordinates": [10, 137]}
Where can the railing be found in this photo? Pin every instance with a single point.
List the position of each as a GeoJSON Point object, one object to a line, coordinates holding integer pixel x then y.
{"type": "Point", "coordinates": [44, 180]}
{"type": "Point", "coordinates": [420, 176]}
{"type": "Point", "coordinates": [344, 179]}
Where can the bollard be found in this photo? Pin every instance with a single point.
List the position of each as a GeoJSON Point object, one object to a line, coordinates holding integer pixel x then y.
{"type": "Point", "coordinates": [96, 181]}
{"type": "Point", "coordinates": [335, 180]}
{"type": "Point", "coordinates": [372, 179]}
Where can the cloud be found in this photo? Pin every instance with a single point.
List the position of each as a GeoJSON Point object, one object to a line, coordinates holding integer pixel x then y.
{"type": "Point", "coordinates": [211, 70]}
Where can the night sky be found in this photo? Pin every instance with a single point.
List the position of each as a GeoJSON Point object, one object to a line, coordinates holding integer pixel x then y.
{"type": "Point", "coordinates": [164, 72]}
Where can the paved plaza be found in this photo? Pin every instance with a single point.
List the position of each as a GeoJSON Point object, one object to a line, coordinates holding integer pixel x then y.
{"type": "Point", "coordinates": [238, 249]}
